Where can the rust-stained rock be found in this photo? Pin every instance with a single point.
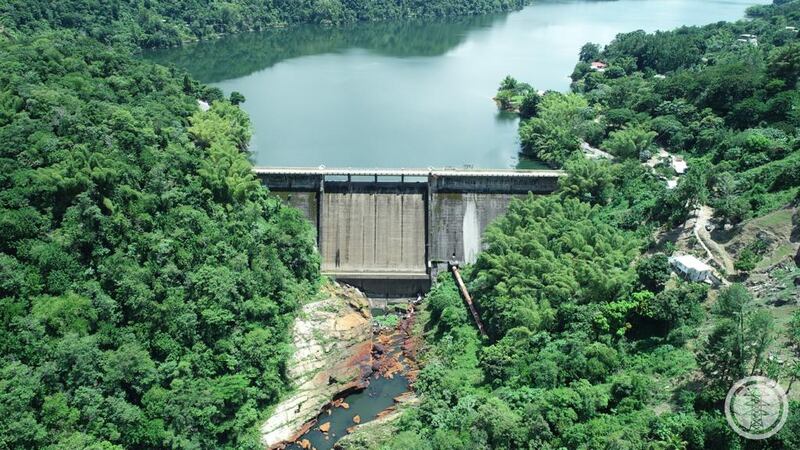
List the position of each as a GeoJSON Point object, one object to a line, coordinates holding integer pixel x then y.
{"type": "Point", "coordinates": [357, 419]}
{"type": "Point", "coordinates": [305, 443]}
{"type": "Point", "coordinates": [333, 345]}
{"type": "Point", "coordinates": [386, 412]}
{"type": "Point", "coordinates": [325, 427]}
{"type": "Point", "coordinates": [345, 405]}
{"type": "Point", "coordinates": [406, 397]}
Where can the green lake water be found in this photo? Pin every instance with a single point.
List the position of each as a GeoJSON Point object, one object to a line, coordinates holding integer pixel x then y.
{"type": "Point", "coordinates": [414, 94]}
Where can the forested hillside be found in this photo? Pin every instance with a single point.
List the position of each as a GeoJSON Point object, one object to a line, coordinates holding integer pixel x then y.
{"type": "Point", "coordinates": [592, 343]}
{"type": "Point", "coordinates": [147, 280]}
{"type": "Point", "coordinates": [154, 23]}
{"type": "Point", "coordinates": [724, 95]}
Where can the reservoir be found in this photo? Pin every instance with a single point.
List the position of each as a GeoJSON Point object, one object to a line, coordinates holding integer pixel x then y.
{"type": "Point", "coordinates": [414, 94]}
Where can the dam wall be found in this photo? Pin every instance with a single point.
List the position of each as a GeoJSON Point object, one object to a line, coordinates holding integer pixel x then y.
{"type": "Point", "coordinates": [389, 231]}
{"type": "Point", "coordinates": [458, 221]}
{"type": "Point", "coordinates": [373, 234]}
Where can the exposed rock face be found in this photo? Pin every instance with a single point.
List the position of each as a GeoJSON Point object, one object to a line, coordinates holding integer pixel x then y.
{"type": "Point", "coordinates": [376, 433]}
{"type": "Point", "coordinates": [333, 341]}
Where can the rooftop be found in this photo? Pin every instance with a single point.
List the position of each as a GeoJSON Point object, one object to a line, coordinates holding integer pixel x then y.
{"type": "Point", "coordinates": [691, 262]}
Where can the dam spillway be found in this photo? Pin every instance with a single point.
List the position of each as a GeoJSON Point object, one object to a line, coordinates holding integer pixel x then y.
{"type": "Point", "coordinates": [373, 234]}
{"type": "Point", "coordinates": [390, 231]}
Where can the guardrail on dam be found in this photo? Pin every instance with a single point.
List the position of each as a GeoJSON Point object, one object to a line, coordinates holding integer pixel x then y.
{"type": "Point", "coordinates": [389, 231]}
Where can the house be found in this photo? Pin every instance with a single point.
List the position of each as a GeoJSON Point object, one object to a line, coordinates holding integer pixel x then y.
{"type": "Point", "coordinates": [599, 66]}
{"type": "Point", "coordinates": [692, 268]}
{"type": "Point", "coordinates": [748, 38]}
{"type": "Point", "coordinates": [679, 165]}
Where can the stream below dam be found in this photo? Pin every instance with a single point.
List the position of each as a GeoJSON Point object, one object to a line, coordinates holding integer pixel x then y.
{"type": "Point", "coordinates": [380, 393]}
{"type": "Point", "coordinates": [414, 94]}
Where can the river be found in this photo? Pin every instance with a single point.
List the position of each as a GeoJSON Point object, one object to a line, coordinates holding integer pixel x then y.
{"type": "Point", "coordinates": [414, 94]}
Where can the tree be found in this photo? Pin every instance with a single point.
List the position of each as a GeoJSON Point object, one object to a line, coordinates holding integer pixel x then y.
{"type": "Point", "coordinates": [551, 135]}
{"type": "Point", "coordinates": [508, 83]}
{"type": "Point", "coordinates": [539, 260]}
{"type": "Point", "coordinates": [793, 334]}
{"type": "Point", "coordinates": [691, 192]}
{"type": "Point", "coordinates": [737, 345]}
{"type": "Point", "coordinates": [589, 52]}
{"type": "Point", "coordinates": [236, 98]}
{"type": "Point", "coordinates": [654, 272]}
{"type": "Point", "coordinates": [629, 142]}
{"type": "Point", "coordinates": [587, 180]}
{"type": "Point", "coordinates": [530, 104]}
{"type": "Point", "coordinates": [784, 64]}
{"type": "Point", "coordinates": [728, 204]}
{"type": "Point", "coordinates": [505, 99]}
{"type": "Point", "coordinates": [143, 269]}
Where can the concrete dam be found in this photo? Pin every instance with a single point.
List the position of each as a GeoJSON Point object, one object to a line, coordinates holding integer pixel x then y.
{"type": "Point", "coordinates": [390, 231]}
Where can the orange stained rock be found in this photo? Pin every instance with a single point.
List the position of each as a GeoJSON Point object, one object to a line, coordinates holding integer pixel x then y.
{"type": "Point", "coordinates": [357, 419]}
{"type": "Point", "coordinates": [325, 427]}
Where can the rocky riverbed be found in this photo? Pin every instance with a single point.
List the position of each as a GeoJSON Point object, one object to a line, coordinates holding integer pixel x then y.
{"type": "Point", "coordinates": [350, 370]}
{"type": "Point", "coordinates": [387, 389]}
{"type": "Point", "coordinates": [332, 340]}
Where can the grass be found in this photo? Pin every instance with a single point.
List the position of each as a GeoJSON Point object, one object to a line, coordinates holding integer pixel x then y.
{"type": "Point", "coordinates": [389, 320]}
{"type": "Point", "coordinates": [779, 254]}
{"type": "Point", "coordinates": [785, 280]}
{"type": "Point", "coordinates": [776, 218]}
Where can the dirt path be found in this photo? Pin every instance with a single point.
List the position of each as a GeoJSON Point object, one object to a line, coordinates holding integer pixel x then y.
{"type": "Point", "coordinates": [714, 250]}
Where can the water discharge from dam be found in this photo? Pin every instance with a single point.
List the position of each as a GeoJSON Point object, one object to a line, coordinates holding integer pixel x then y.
{"type": "Point", "coordinates": [470, 230]}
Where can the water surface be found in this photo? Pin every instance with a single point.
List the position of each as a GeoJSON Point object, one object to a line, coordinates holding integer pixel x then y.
{"type": "Point", "coordinates": [415, 94]}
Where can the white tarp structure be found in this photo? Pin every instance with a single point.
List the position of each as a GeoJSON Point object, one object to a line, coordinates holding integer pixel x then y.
{"type": "Point", "coordinates": [679, 165]}
{"type": "Point", "coordinates": [692, 268]}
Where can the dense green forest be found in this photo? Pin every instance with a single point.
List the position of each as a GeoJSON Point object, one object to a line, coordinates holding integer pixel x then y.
{"type": "Point", "coordinates": [592, 345]}
{"type": "Point", "coordinates": [245, 53]}
{"type": "Point", "coordinates": [723, 95]}
{"type": "Point", "coordinates": [147, 279]}
{"type": "Point", "coordinates": [152, 23]}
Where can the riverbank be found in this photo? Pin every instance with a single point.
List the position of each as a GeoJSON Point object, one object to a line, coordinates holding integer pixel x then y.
{"type": "Point", "coordinates": [333, 345]}
{"type": "Point", "coordinates": [383, 392]}
{"type": "Point", "coordinates": [349, 369]}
